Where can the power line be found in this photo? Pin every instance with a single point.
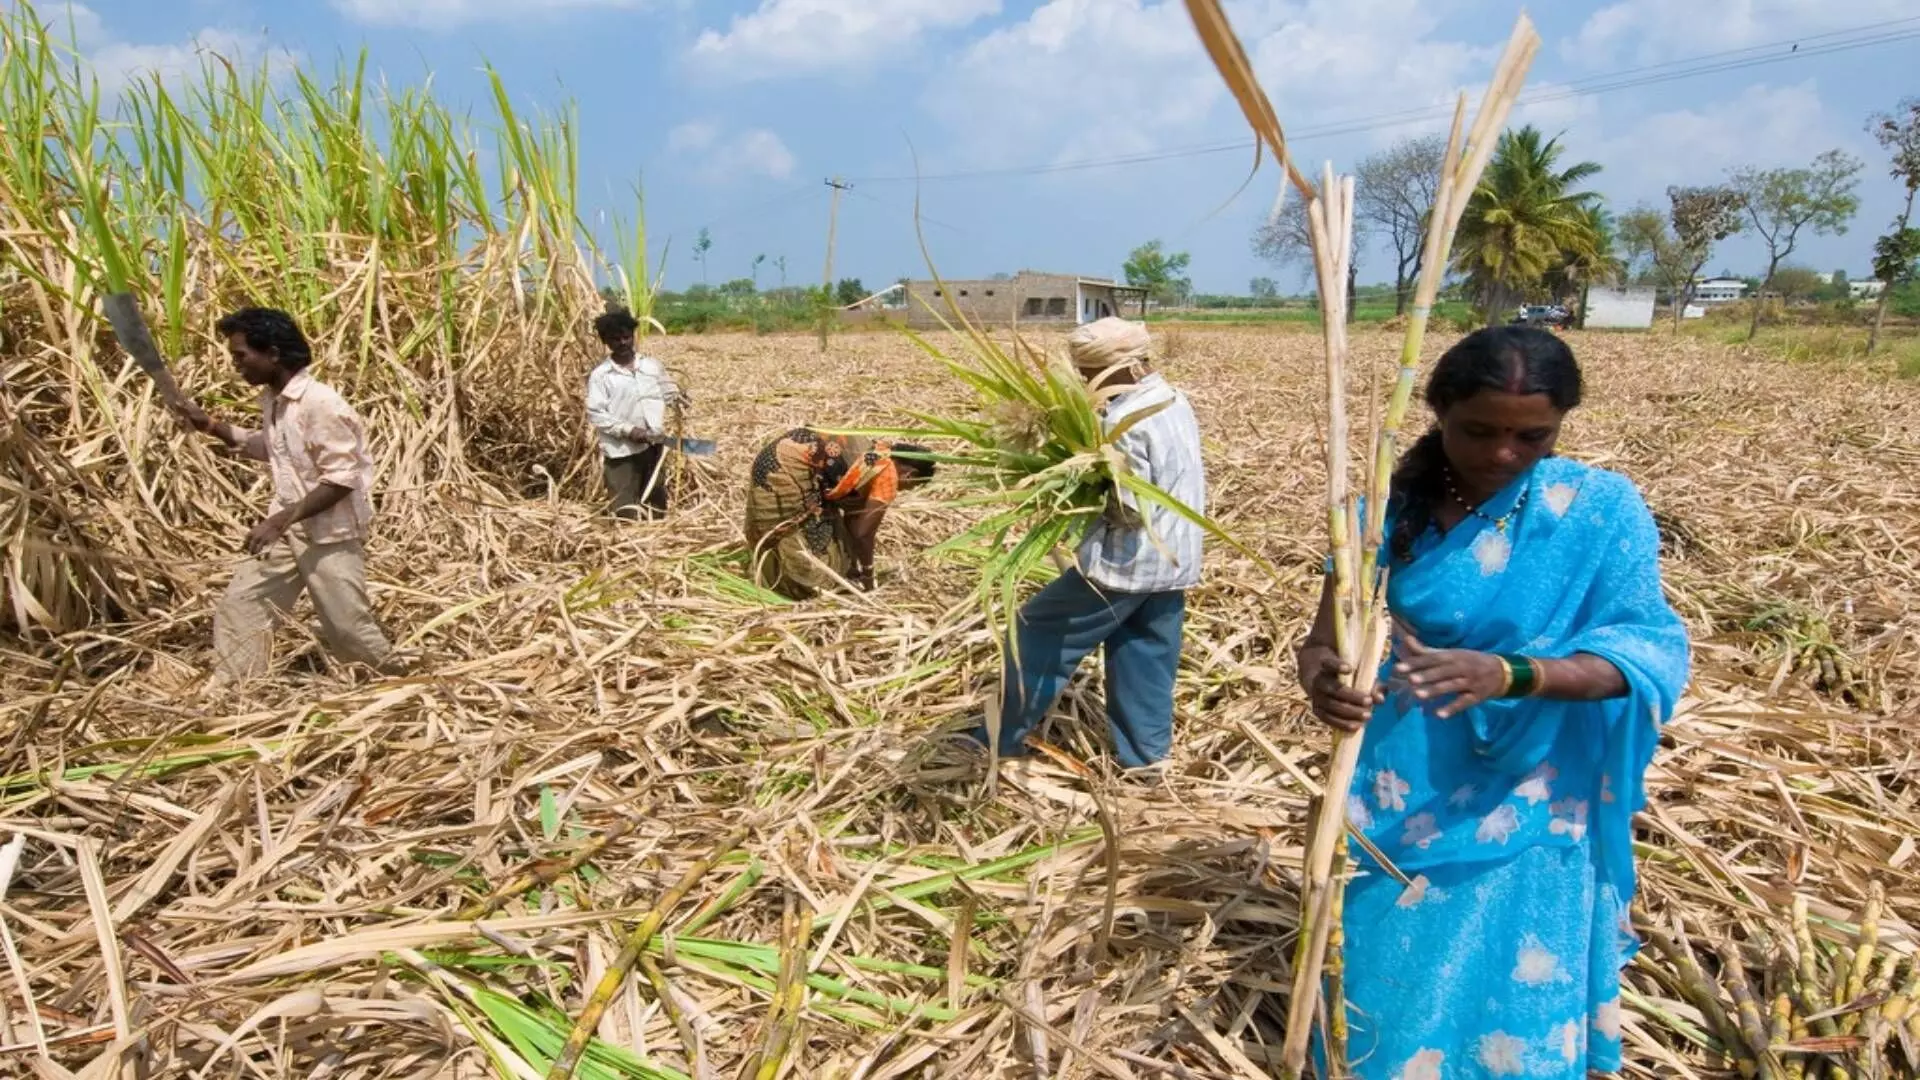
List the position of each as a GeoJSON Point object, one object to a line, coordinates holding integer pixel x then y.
{"type": "Point", "coordinates": [1648, 75]}
{"type": "Point", "coordinates": [917, 215]}
{"type": "Point", "coordinates": [780, 199]}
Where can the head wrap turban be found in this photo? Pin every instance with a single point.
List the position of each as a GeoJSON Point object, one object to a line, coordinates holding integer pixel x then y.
{"type": "Point", "coordinates": [1108, 342]}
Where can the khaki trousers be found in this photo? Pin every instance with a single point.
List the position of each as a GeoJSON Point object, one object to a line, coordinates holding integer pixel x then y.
{"type": "Point", "coordinates": [262, 594]}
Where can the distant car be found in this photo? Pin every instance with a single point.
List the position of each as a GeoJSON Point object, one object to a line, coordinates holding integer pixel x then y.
{"type": "Point", "coordinates": [1552, 315]}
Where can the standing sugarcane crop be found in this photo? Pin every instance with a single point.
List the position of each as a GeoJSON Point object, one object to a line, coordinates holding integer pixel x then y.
{"type": "Point", "coordinates": [1534, 660]}
{"type": "Point", "coordinates": [314, 539]}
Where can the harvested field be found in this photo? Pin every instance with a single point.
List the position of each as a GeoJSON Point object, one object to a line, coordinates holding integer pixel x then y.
{"type": "Point", "coordinates": [409, 877]}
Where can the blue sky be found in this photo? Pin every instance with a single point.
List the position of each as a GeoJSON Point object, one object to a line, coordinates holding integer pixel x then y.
{"type": "Point", "coordinates": [734, 113]}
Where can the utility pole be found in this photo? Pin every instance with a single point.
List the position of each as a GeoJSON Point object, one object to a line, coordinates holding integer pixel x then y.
{"type": "Point", "coordinates": [826, 286]}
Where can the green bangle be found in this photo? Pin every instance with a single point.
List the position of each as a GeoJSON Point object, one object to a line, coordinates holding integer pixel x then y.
{"type": "Point", "coordinates": [1525, 676]}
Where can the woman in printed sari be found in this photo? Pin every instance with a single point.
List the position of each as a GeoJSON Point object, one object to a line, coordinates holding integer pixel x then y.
{"type": "Point", "coordinates": [814, 506]}
{"type": "Point", "coordinates": [1535, 660]}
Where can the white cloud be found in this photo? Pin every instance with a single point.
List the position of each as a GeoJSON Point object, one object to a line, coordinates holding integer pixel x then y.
{"type": "Point", "coordinates": [798, 37]}
{"type": "Point", "coordinates": [1096, 78]}
{"type": "Point", "coordinates": [718, 156]}
{"type": "Point", "coordinates": [1078, 78]}
{"type": "Point", "coordinates": [445, 14]}
{"type": "Point", "coordinates": [118, 63]}
{"type": "Point", "coordinates": [1647, 31]}
{"type": "Point", "coordinates": [697, 135]}
{"type": "Point", "coordinates": [76, 22]}
{"type": "Point", "coordinates": [1779, 125]}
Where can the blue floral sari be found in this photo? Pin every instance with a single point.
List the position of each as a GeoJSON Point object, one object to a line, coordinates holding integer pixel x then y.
{"type": "Point", "coordinates": [1513, 820]}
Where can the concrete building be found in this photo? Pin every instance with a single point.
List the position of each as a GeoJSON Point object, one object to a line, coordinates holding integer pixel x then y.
{"type": "Point", "coordinates": [1619, 309]}
{"type": "Point", "coordinates": [1027, 297]}
{"type": "Point", "coordinates": [1866, 290]}
{"type": "Point", "coordinates": [1719, 290]}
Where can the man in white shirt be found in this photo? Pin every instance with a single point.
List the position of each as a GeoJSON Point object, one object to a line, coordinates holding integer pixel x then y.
{"type": "Point", "coordinates": [628, 398]}
{"type": "Point", "coordinates": [1128, 589]}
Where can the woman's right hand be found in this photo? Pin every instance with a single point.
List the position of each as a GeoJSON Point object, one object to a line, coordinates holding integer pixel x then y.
{"type": "Point", "coordinates": [1324, 676]}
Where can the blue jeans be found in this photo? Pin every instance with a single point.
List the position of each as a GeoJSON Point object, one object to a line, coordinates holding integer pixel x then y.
{"type": "Point", "coordinates": [1069, 619]}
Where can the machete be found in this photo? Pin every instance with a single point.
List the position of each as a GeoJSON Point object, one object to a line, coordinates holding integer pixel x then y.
{"type": "Point", "coordinates": [691, 447]}
{"type": "Point", "coordinates": [123, 311]}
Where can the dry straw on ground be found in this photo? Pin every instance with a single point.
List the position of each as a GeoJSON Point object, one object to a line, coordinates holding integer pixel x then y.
{"type": "Point", "coordinates": [339, 878]}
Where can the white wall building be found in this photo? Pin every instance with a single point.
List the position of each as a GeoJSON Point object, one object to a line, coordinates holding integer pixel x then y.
{"type": "Point", "coordinates": [1866, 290]}
{"type": "Point", "coordinates": [1619, 309]}
{"type": "Point", "coordinates": [1719, 290]}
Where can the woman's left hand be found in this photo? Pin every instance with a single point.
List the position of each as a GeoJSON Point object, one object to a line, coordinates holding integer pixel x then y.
{"type": "Point", "coordinates": [1469, 677]}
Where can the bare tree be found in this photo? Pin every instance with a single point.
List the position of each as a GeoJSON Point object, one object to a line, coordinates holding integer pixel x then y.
{"type": "Point", "coordinates": [1899, 132]}
{"type": "Point", "coordinates": [1285, 240]}
{"type": "Point", "coordinates": [1394, 192]}
{"type": "Point", "coordinates": [1673, 248]}
{"type": "Point", "coordinates": [1782, 202]}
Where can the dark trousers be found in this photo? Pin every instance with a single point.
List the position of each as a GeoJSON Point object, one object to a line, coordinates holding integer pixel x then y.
{"type": "Point", "coordinates": [1069, 619]}
{"type": "Point", "coordinates": [637, 484]}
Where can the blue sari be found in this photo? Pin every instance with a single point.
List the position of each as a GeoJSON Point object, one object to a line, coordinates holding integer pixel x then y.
{"type": "Point", "coordinates": [1512, 820]}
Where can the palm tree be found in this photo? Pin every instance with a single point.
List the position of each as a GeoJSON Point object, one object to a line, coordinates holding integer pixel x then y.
{"type": "Point", "coordinates": [1595, 261]}
{"type": "Point", "coordinates": [1524, 219]}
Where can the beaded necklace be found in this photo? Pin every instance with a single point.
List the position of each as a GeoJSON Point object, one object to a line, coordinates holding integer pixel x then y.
{"type": "Point", "coordinates": [1499, 523]}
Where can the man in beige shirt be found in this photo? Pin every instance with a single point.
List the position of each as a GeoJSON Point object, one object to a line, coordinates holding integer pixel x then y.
{"type": "Point", "coordinates": [314, 537]}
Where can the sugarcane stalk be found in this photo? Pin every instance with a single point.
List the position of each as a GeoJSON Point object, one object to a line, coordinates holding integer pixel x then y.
{"type": "Point", "coordinates": [1854, 986]}
{"type": "Point", "coordinates": [1877, 1028]}
{"type": "Point", "coordinates": [1694, 986]}
{"type": "Point", "coordinates": [1787, 1025]}
{"type": "Point", "coordinates": [689, 1039]}
{"type": "Point", "coordinates": [569, 1057]}
{"type": "Point", "coordinates": [1811, 1000]}
{"type": "Point", "coordinates": [1907, 1001]}
{"type": "Point", "coordinates": [1317, 899]}
{"type": "Point", "coordinates": [1337, 1033]}
{"type": "Point", "coordinates": [789, 996]}
{"type": "Point", "coordinates": [1747, 1009]}
{"type": "Point", "coordinates": [1439, 239]}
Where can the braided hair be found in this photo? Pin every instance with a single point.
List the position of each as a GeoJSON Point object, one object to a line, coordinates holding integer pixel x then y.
{"type": "Point", "coordinates": [1510, 359]}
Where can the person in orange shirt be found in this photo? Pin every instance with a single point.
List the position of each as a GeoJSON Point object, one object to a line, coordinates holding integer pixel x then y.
{"type": "Point", "coordinates": [314, 537]}
{"type": "Point", "coordinates": [814, 506]}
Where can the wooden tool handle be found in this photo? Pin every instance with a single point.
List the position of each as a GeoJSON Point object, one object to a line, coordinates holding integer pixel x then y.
{"type": "Point", "coordinates": [123, 311]}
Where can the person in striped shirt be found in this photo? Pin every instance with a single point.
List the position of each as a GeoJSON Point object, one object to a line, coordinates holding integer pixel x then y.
{"type": "Point", "coordinates": [1128, 590]}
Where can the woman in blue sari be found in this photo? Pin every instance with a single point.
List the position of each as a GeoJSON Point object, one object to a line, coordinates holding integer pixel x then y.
{"type": "Point", "coordinates": [1534, 662]}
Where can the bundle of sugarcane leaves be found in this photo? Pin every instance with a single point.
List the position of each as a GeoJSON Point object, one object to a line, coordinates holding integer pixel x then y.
{"type": "Point", "coordinates": [1037, 452]}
